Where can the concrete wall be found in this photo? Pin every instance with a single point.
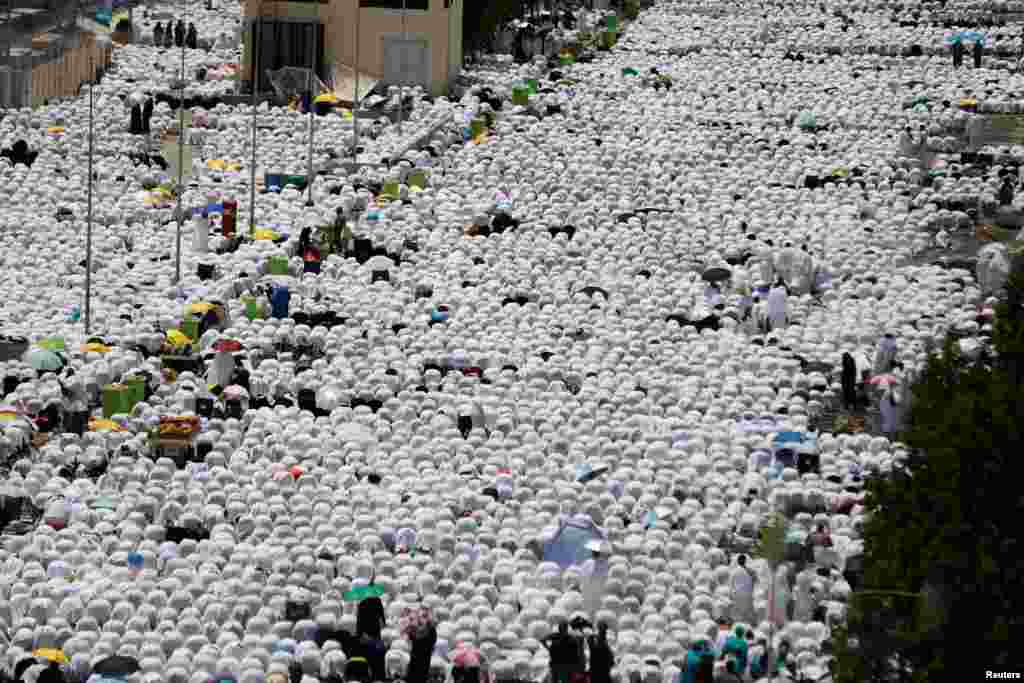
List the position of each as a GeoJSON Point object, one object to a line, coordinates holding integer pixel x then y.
{"type": "Point", "coordinates": [436, 26]}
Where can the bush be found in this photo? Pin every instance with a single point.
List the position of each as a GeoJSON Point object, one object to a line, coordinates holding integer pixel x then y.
{"type": "Point", "coordinates": [631, 9]}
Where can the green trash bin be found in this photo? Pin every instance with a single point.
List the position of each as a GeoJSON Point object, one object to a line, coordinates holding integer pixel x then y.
{"type": "Point", "coordinates": [391, 187]}
{"type": "Point", "coordinates": [533, 84]}
{"type": "Point", "coordinates": [417, 178]}
{"type": "Point", "coordinates": [117, 399]}
{"type": "Point", "coordinates": [613, 23]}
{"type": "Point", "coordinates": [137, 388]}
{"type": "Point", "coordinates": [254, 309]}
{"type": "Point", "coordinates": [278, 265]}
{"type": "Point", "coordinates": [521, 95]}
{"type": "Point", "coordinates": [566, 59]}
{"type": "Point", "coordinates": [190, 328]}
{"type": "Point", "coordinates": [477, 126]}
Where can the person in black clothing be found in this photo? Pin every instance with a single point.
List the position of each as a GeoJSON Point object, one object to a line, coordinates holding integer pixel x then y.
{"type": "Point", "coordinates": [158, 35]}
{"type": "Point", "coordinates": [602, 660]}
{"type": "Point", "coordinates": [978, 53]}
{"type": "Point", "coordinates": [192, 37]}
{"type": "Point", "coordinates": [179, 34]}
{"type": "Point", "coordinates": [370, 618]}
{"type": "Point", "coordinates": [958, 54]}
{"type": "Point", "coordinates": [422, 652]}
{"type": "Point", "coordinates": [849, 382]}
{"type": "Point", "coordinates": [51, 674]}
{"type": "Point", "coordinates": [168, 36]}
{"type": "Point", "coordinates": [135, 124]}
{"type": "Point", "coordinates": [147, 114]}
{"type": "Point", "coordinates": [1006, 191]}
{"type": "Point", "coordinates": [564, 654]}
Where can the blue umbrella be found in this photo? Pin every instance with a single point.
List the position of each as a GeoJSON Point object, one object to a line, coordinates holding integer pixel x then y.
{"type": "Point", "coordinates": [789, 437]}
{"type": "Point", "coordinates": [136, 561]}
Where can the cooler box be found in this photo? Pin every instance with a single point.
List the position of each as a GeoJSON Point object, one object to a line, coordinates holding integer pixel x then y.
{"type": "Point", "coordinates": [298, 181]}
{"type": "Point", "coordinates": [275, 179]}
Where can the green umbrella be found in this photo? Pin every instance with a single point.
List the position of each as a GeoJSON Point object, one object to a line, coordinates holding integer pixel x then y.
{"type": "Point", "coordinates": [105, 503]}
{"type": "Point", "coordinates": [52, 344]}
{"type": "Point", "coordinates": [43, 360]}
{"type": "Point", "coordinates": [362, 592]}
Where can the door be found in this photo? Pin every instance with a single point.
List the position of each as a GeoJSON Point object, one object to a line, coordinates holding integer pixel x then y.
{"type": "Point", "coordinates": [287, 43]}
{"type": "Point", "coordinates": [406, 61]}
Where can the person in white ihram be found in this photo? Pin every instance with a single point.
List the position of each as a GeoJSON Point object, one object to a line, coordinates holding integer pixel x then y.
{"type": "Point", "coordinates": [595, 575]}
{"type": "Point", "coordinates": [742, 592]}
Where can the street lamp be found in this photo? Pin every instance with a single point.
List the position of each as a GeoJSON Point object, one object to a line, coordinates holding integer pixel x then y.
{"type": "Point", "coordinates": [181, 159]}
{"type": "Point", "coordinates": [101, 42]}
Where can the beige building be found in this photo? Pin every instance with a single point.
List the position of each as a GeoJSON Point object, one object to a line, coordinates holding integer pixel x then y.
{"type": "Point", "coordinates": [429, 54]}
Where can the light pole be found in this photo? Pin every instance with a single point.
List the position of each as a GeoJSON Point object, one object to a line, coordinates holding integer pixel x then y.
{"type": "Point", "coordinates": [88, 211]}
{"type": "Point", "coordinates": [312, 116]}
{"type": "Point", "coordinates": [405, 46]}
{"type": "Point", "coordinates": [181, 160]}
{"type": "Point", "coordinates": [355, 93]}
{"type": "Point", "coordinates": [256, 23]}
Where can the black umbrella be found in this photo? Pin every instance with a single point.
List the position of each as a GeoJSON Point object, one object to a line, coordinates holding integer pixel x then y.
{"type": "Point", "coordinates": [716, 274]}
{"type": "Point", "coordinates": [116, 665]}
{"type": "Point", "coordinates": [591, 290]}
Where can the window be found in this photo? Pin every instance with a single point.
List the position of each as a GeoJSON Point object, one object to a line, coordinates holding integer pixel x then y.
{"type": "Point", "coordinates": [420, 5]}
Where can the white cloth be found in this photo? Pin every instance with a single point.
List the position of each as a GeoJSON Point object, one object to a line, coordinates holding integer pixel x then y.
{"type": "Point", "coordinates": [221, 369]}
{"type": "Point", "coordinates": [777, 306]}
{"type": "Point", "coordinates": [201, 235]}
{"type": "Point", "coordinates": [885, 355]}
{"type": "Point", "coordinates": [595, 575]}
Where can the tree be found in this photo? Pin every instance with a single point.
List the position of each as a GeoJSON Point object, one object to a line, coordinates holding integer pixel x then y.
{"type": "Point", "coordinates": [942, 537]}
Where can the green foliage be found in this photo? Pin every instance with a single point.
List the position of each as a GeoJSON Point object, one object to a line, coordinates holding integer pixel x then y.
{"type": "Point", "coordinates": [943, 528]}
{"type": "Point", "coordinates": [631, 9]}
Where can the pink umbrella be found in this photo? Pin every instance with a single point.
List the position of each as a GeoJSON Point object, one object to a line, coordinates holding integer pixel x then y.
{"type": "Point", "coordinates": [414, 620]}
{"type": "Point", "coordinates": [884, 380]}
{"type": "Point", "coordinates": [466, 656]}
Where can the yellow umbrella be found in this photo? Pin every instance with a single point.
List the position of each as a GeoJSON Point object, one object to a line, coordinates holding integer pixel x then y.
{"type": "Point", "coordinates": [265, 234]}
{"type": "Point", "coordinates": [99, 425]}
{"type": "Point", "coordinates": [8, 416]}
{"type": "Point", "coordinates": [328, 98]}
{"type": "Point", "coordinates": [216, 164]}
{"type": "Point", "coordinates": [55, 130]}
{"type": "Point", "coordinates": [177, 338]}
{"type": "Point", "coordinates": [95, 348]}
{"type": "Point", "coordinates": [200, 308]}
{"type": "Point", "coordinates": [52, 655]}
